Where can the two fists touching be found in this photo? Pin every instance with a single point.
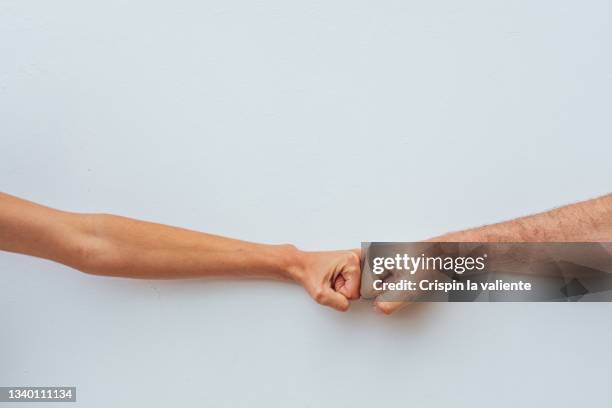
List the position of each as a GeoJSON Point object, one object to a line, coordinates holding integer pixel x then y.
{"type": "Point", "coordinates": [111, 245]}
{"type": "Point", "coordinates": [333, 278]}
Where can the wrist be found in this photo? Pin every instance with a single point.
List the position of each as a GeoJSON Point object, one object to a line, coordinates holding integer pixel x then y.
{"type": "Point", "coordinates": [291, 262]}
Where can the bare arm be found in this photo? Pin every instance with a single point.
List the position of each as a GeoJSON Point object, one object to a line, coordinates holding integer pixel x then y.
{"type": "Point", "coordinates": [111, 245]}
{"type": "Point", "coordinates": [588, 221]}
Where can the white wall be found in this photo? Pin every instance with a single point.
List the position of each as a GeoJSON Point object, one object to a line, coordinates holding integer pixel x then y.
{"type": "Point", "coordinates": [319, 123]}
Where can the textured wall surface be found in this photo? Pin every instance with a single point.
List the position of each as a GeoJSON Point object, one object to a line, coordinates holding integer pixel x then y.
{"type": "Point", "coordinates": [319, 123]}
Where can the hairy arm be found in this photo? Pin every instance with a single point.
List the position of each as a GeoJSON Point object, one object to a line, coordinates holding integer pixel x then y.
{"type": "Point", "coordinates": [111, 245]}
{"type": "Point", "coordinates": [588, 221]}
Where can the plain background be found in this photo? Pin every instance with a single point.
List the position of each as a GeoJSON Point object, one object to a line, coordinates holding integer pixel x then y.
{"type": "Point", "coordinates": [318, 123]}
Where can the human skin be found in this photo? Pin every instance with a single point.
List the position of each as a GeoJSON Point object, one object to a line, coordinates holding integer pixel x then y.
{"type": "Point", "coordinates": [111, 245]}
{"type": "Point", "coordinates": [588, 221]}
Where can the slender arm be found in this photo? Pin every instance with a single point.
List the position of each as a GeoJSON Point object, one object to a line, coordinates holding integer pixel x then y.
{"type": "Point", "coordinates": [111, 245]}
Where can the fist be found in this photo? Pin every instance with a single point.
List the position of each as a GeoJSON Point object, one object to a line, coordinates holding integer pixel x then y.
{"type": "Point", "coordinates": [332, 278]}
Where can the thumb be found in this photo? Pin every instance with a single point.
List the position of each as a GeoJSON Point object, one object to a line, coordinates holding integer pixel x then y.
{"type": "Point", "coordinates": [390, 302]}
{"type": "Point", "coordinates": [389, 307]}
{"type": "Point", "coordinates": [328, 297]}
{"type": "Point", "coordinates": [348, 281]}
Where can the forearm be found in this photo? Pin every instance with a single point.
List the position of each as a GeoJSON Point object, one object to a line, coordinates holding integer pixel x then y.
{"type": "Point", "coordinates": [588, 221]}
{"type": "Point", "coordinates": [125, 247]}
{"type": "Point", "coordinates": [118, 246]}
{"type": "Point", "coordinates": [131, 248]}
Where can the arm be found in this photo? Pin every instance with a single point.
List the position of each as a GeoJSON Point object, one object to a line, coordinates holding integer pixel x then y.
{"type": "Point", "coordinates": [117, 246]}
{"type": "Point", "coordinates": [588, 221]}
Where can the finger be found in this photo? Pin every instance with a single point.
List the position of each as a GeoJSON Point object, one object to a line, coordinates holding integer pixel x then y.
{"type": "Point", "coordinates": [350, 275]}
{"type": "Point", "coordinates": [349, 289]}
{"type": "Point", "coordinates": [333, 299]}
{"type": "Point", "coordinates": [391, 301]}
{"type": "Point", "coordinates": [390, 307]}
{"type": "Point", "coordinates": [339, 283]}
{"type": "Point", "coordinates": [367, 290]}
{"type": "Point", "coordinates": [368, 278]}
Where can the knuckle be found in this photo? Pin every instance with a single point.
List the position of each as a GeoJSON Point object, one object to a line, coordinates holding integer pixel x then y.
{"type": "Point", "coordinates": [386, 308]}
{"type": "Point", "coordinates": [352, 258]}
{"type": "Point", "coordinates": [319, 295]}
{"type": "Point", "coordinates": [343, 307]}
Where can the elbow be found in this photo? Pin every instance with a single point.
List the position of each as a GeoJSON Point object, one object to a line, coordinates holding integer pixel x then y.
{"type": "Point", "coordinates": [90, 250]}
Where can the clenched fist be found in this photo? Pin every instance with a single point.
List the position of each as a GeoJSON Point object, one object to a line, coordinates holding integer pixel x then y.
{"type": "Point", "coordinates": [332, 278]}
